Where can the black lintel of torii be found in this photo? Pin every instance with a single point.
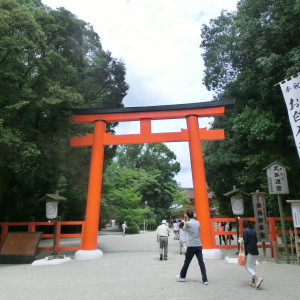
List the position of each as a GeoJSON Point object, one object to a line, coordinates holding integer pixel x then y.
{"type": "Point", "coordinates": [88, 111]}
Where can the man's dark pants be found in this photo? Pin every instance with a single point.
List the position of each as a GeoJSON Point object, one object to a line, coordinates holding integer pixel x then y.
{"type": "Point", "coordinates": [191, 251]}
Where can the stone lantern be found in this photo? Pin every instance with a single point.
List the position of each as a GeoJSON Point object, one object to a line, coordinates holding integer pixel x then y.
{"type": "Point", "coordinates": [52, 204]}
{"type": "Point", "coordinates": [237, 204]}
{"type": "Point", "coordinates": [237, 201]}
{"type": "Point", "coordinates": [52, 201]}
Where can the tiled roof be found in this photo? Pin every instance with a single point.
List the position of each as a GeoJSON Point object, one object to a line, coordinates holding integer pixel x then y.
{"type": "Point", "coordinates": [190, 193]}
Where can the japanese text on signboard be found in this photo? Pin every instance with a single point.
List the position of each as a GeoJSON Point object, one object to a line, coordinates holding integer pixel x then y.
{"type": "Point", "coordinates": [291, 94]}
{"type": "Point", "coordinates": [277, 179]}
{"type": "Point", "coordinates": [260, 213]}
{"type": "Point", "coordinates": [296, 214]}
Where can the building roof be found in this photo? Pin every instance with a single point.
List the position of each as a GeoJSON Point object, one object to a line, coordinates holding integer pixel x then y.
{"type": "Point", "coordinates": [190, 193]}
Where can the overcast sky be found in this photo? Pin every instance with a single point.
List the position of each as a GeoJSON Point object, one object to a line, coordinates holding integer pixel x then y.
{"type": "Point", "coordinates": [158, 40]}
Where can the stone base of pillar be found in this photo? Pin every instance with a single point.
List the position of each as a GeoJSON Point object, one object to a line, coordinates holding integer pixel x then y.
{"type": "Point", "coordinates": [88, 254]}
{"type": "Point", "coordinates": [212, 253]}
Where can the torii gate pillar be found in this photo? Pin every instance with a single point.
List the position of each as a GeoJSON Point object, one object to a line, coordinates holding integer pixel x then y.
{"type": "Point", "coordinates": [93, 197]}
{"type": "Point", "coordinates": [199, 183]}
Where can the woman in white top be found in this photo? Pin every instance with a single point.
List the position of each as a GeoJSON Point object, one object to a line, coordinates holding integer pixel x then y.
{"type": "Point", "coordinates": [182, 238]}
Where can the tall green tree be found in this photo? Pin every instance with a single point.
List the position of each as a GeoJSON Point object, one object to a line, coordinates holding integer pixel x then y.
{"type": "Point", "coordinates": [50, 62]}
{"type": "Point", "coordinates": [245, 53]}
{"type": "Point", "coordinates": [155, 166]}
{"type": "Point", "coordinates": [122, 198]}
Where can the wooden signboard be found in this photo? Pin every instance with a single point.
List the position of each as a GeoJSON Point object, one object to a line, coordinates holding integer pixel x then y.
{"type": "Point", "coordinates": [20, 247]}
{"type": "Point", "coordinates": [260, 213]}
{"type": "Point", "coordinates": [277, 179]}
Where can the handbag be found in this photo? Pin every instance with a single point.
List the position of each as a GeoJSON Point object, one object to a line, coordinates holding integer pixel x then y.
{"type": "Point", "coordinates": [242, 256]}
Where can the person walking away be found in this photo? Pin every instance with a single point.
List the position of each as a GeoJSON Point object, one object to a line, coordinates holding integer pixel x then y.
{"type": "Point", "coordinates": [194, 247]}
{"type": "Point", "coordinates": [216, 227]}
{"type": "Point", "coordinates": [223, 236]}
{"type": "Point", "coordinates": [176, 230]}
{"type": "Point", "coordinates": [228, 238]}
{"type": "Point", "coordinates": [162, 233]}
{"type": "Point", "coordinates": [182, 238]}
{"type": "Point", "coordinates": [124, 226]}
{"type": "Point", "coordinates": [251, 252]}
{"type": "Point", "coordinates": [221, 229]}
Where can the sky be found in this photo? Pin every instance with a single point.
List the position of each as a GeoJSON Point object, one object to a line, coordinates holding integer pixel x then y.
{"type": "Point", "coordinates": [158, 40]}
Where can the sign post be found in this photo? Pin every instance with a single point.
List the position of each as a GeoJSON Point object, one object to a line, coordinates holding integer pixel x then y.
{"type": "Point", "coordinates": [277, 183]}
{"type": "Point", "coordinates": [295, 212]}
{"type": "Point", "coordinates": [296, 220]}
{"type": "Point", "coordinates": [261, 222]}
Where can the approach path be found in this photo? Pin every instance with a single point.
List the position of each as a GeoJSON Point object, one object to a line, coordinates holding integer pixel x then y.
{"type": "Point", "coordinates": [131, 269]}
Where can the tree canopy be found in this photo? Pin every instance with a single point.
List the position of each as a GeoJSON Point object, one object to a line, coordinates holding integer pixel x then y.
{"type": "Point", "coordinates": [50, 62]}
{"type": "Point", "coordinates": [246, 53]}
{"type": "Point", "coordinates": [140, 185]}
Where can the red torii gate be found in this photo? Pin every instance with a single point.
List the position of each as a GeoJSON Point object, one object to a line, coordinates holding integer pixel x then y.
{"type": "Point", "coordinates": [193, 134]}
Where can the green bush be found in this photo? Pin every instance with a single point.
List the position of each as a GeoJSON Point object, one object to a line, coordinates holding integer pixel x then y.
{"type": "Point", "coordinates": [133, 228]}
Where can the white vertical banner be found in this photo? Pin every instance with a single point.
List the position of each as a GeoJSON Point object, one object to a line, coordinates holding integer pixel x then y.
{"type": "Point", "coordinates": [296, 214]}
{"type": "Point", "coordinates": [291, 92]}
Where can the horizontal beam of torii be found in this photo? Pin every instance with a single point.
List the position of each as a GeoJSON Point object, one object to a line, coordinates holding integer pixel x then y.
{"type": "Point", "coordinates": [193, 134]}
{"type": "Point", "coordinates": [147, 137]}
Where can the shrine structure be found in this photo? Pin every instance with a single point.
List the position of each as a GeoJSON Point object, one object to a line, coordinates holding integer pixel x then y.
{"type": "Point", "coordinates": [144, 115]}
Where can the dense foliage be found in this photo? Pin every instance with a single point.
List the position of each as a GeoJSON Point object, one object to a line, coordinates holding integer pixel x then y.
{"type": "Point", "coordinates": [50, 61]}
{"type": "Point", "coordinates": [246, 53]}
{"type": "Point", "coordinates": [139, 186]}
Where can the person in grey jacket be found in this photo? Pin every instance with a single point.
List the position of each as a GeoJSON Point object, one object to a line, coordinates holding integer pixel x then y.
{"type": "Point", "coordinates": [251, 251]}
{"type": "Point", "coordinates": [194, 247]}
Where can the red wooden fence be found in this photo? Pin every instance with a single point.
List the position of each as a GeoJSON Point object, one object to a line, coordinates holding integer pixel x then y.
{"type": "Point", "coordinates": [31, 227]}
{"type": "Point", "coordinates": [272, 231]}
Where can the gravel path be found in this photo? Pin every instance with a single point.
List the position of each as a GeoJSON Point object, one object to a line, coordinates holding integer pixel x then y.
{"type": "Point", "coordinates": [131, 269]}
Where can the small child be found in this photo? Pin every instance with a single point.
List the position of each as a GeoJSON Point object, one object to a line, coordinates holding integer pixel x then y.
{"type": "Point", "coordinates": [182, 238]}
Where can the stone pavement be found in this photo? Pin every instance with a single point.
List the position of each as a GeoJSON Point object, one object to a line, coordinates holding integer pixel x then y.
{"type": "Point", "coordinates": [130, 269]}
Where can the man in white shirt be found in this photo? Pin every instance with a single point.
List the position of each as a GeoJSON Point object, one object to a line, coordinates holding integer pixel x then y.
{"type": "Point", "coordinates": [162, 232]}
{"type": "Point", "coordinates": [124, 226]}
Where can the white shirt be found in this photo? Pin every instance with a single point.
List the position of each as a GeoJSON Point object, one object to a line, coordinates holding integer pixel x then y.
{"type": "Point", "coordinates": [163, 230]}
{"type": "Point", "coordinates": [182, 236]}
{"type": "Point", "coordinates": [176, 226]}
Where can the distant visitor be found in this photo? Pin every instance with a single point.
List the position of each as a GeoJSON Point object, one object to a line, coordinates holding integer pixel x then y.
{"type": "Point", "coordinates": [162, 233]}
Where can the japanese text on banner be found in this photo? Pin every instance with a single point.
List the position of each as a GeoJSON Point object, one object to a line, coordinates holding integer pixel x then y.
{"type": "Point", "coordinates": [291, 92]}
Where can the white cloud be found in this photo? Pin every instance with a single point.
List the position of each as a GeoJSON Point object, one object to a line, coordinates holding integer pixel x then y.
{"type": "Point", "coordinates": [159, 43]}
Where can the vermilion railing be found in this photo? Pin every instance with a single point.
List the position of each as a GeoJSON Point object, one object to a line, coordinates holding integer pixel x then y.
{"type": "Point", "coordinates": [272, 231]}
{"type": "Point", "coordinates": [31, 227]}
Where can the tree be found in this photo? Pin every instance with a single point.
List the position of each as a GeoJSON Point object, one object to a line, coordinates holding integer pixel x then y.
{"type": "Point", "coordinates": [145, 174]}
{"type": "Point", "coordinates": [50, 61]}
{"type": "Point", "coordinates": [246, 53]}
{"type": "Point", "coordinates": [157, 158]}
{"type": "Point", "coordinates": [122, 197]}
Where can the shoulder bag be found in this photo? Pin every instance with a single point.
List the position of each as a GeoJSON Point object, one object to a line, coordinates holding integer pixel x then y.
{"type": "Point", "coordinates": [242, 256]}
